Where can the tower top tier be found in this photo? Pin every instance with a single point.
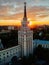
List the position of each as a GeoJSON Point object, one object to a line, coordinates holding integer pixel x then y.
{"type": "Point", "coordinates": [24, 22]}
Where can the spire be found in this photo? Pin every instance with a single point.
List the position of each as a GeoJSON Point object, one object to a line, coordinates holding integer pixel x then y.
{"type": "Point", "coordinates": [25, 16]}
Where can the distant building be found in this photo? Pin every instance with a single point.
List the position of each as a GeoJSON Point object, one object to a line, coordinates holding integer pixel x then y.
{"type": "Point", "coordinates": [44, 43]}
{"type": "Point", "coordinates": [10, 27]}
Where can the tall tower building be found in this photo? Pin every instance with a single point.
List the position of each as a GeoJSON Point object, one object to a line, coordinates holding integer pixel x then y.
{"type": "Point", "coordinates": [25, 36]}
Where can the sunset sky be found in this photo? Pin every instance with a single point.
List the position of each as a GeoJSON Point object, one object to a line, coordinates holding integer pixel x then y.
{"type": "Point", "coordinates": [11, 12]}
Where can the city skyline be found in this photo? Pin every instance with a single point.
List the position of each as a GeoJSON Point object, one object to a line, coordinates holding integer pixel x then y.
{"type": "Point", "coordinates": [11, 12]}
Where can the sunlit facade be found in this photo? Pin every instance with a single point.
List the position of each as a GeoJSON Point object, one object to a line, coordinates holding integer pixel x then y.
{"type": "Point", "coordinates": [25, 36]}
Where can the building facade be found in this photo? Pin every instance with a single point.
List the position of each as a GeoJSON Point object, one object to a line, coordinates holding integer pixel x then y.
{"type": "Point", "coordinates": [7, 54]}
{"type": "Point", "coordinates": [25, 36]}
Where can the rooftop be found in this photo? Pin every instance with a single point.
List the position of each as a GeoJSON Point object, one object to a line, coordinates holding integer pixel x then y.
{"type": "Point", "coordinates": [41, 41]}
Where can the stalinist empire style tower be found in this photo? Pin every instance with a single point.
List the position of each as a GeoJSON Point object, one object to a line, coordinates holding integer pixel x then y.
{"type": "Point", "coordinates": [25, 36]}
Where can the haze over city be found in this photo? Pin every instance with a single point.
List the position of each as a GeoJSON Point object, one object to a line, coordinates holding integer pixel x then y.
{"type": "Point", "coordinates": [11, 12]}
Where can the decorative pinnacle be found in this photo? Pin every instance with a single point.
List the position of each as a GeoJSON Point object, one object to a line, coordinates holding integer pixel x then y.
{"type": "Point", "coordinates": [25, 16]}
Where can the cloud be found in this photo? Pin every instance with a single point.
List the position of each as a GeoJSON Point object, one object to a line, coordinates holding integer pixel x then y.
{"type": "Point", "coordinates": [29, 2]}
{"type": "Point", "coordinates": [43, 16]}
{"type": "Point", "coordinates": [10, 9]}
{"type": "Point", "coordinates": [14, 12]}
{"type": "Point", "coordinates": [14, 9]}
{"type": "Point", "coordinates": [43, 19]}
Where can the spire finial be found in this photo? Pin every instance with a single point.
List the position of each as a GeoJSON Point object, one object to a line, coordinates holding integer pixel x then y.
{"type": "Point", "coordinates": [25, 10]}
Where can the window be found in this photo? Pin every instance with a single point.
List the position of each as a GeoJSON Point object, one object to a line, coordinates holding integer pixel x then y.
{"type": "Point", "coordinates": [46, 46]}
{"type": "Point", "coordinates": [4, 57]}
{"type": "Point", "coordinates": [0, 58]}
{"type": "Point", "coordinates": [7, 52]}
{"type": "Point", "coordinates": [3, 54]}
{"type": "Point", "coordinates": [7, 55]}
{"type": "Point", "coordinates": [0, 61]}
